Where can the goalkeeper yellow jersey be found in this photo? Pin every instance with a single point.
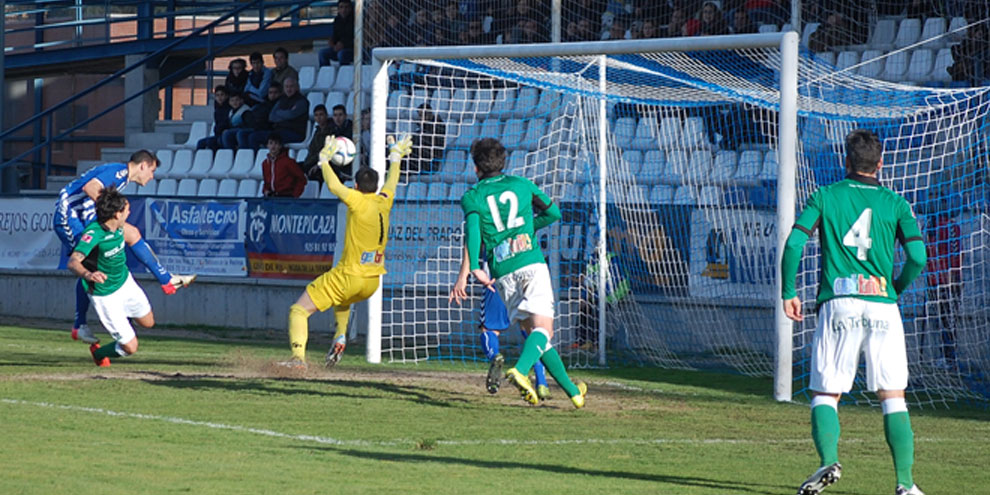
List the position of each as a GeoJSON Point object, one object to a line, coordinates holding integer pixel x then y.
{"type": "Point", "coordinates": [367, 232]}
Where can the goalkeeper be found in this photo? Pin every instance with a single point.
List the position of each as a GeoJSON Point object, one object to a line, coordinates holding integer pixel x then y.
{"type": "Point", "coordinates": [362, 262]}
{"type": "Point", "coordinates": [499, 212]}
{"type": "Point", "coordinates": [493, 321]}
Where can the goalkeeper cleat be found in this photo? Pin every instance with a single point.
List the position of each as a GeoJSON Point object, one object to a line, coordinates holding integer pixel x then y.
{"type": "Point", "coordinates": [904, 491]}
{"type": "Point", "coordinates": [83, 333]}
{"type": "Point", "coordinates": [101, 362]}
{"type": "Point", "coordinates": [578, 399]}
{"type": "Point", "coordinates": [293, 363]}
{"type": "Point", "coordinates": [336, 351]}
{"type": "Point", "coordinates": [825, 476]}
{"type": "Point", "coordinates": [522, 383]}
{"type": "Point", "coordinates": [494, 379]}
{"type": "Point", "coordinates": [543, 392]}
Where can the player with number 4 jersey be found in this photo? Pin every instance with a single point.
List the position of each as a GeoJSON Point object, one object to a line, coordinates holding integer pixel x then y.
{"type": "Point", "coordinates": [504, 212]}
{"type": "Point", "coordinates": [858, 222]}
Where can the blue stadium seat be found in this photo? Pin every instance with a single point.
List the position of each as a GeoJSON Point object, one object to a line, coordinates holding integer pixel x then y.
{"type": "Point", "coordinates": [187, 187]}
{"type": "Point", "coordinates": [670, 133]}
{"type": "Point", "coordinates": [227, 188]}
{"type": "Point", "coordinates": [624, 132]}
{"type": "Point", "coordinates": [685, 195]}
{"type": "Point", "coordinates": [724, 167]}
{"type": "Point", "coordinates": [167, 187]}
{"type": "Point", "coordinates": [646, 135]}
{"type": "Point", "coordinates": [416, 191]}
{"type": "Point", "coordinates": [457, 191]}
{"type": "Point", "coordinates": [662, 194]}
{"type": "Point", "coordinates": [653, 167]}
{"type": "Point", "coordinates": [699, 169]}
{"type": "Point", "coordinates": [182, 161]}
{"type": "Point", "coordinates": [513, 134]}
{"type": "Point", "coordinates": [207, 188]}
{"type": "Point", "coordinates": [527, 102]}
{"type": "Point", "coordinates": [678, 162]}
{"type": "Point", "coordinates": [536, 129]}
{"type": "Point", "coordinates": [437, 190]}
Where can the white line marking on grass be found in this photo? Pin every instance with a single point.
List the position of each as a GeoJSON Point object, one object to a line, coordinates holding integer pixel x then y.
{"type": "Point", "coordinates": [395, 443]}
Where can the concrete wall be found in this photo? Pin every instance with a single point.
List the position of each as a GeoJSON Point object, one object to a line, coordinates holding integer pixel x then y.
{"type": "Point", "coordinates": [211, 301]}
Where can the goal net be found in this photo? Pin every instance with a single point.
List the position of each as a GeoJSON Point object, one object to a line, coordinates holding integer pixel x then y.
{"type": "Point", "coordinates": [665, 166]}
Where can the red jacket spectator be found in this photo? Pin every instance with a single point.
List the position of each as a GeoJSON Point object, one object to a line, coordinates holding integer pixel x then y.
{"type": "Point", "coordinates": [944, 251]}
{"type": "Point", "coordinates": [283, 176]}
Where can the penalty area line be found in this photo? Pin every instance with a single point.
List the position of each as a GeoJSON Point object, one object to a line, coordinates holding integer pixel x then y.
{"type": "Point", "coordinates": [454, 443]}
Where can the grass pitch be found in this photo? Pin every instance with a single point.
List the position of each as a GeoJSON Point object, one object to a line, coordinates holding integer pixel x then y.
{"type": "Point", "coordinates": [199, 414]}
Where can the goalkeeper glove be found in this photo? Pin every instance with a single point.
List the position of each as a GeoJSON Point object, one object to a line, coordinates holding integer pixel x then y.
{"type": "Point", "coordinates": [329, 148]}
{"type": "Point", "coordinates": [398, 150]}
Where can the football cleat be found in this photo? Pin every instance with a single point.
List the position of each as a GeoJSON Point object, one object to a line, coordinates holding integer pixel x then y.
{"type": "Point", "coordinates": [914, 490]}
{"type": "Point", "coordinates": [177, 282]}
{"type": "Point", "coordinates": [825, 476]}
{"type": "Point", "coordinates": [83, 333]}
{"type": "Point", "coordinates": [494, 379]}
{"type": "Point", "coordinates": [336, 351]}
{"type": "Point", "coordinates": [523, 385]}
{"type": "Point", "coordinates": [578, 399]}
{"type": "Point", "coordinates": [543, 392]}
{"type": "Point", "coordinates": [101, 362]}
{"type": "Point", "coordinates": [294, 363]}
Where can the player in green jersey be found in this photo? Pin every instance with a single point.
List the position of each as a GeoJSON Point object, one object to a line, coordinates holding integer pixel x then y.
{"type": "Point", "coordinates": [858, 222]}
{"type": "Point", "coordinates": [499, 211]}
{"type": "Point", "coordinates": [99, 260]}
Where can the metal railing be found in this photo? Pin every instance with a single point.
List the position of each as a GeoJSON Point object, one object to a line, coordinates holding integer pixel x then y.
{"type": "Point", "coordinates": [51, 136]}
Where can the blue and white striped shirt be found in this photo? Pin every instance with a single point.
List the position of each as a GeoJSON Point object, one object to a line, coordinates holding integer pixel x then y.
{"type": "Point", "coordinates": [73, 202]}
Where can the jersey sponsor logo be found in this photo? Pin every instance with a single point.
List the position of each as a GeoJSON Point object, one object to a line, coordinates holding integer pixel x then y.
{"type": "Point", "coordinates": [858, 285]}
{"type": "Point", "coordinates": [111, 253]}
{"type": "Point", "coordinates": [372, 258]}
{"type": "Point", "coordinates": [86, 238]}
{"type": "Point", "coordinates": [513, 246]}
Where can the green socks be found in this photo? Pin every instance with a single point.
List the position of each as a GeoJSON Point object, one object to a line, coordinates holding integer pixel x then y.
{"type": "Point", "coordinates": [107, 351]}
{"type": "Point", "coordinates": [825, 429]}
{"type": "Point", "coordinates": [900, 438]}
{"type": "Point", "coordinates": [551, 360]}
{"type": "Point", "coordinates": [533, 348]}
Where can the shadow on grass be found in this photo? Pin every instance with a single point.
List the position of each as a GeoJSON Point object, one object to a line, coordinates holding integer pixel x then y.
{"type": "Point", "coordinates": [728, 485]}
{"type": "Point", "coordinates": [335, 388]}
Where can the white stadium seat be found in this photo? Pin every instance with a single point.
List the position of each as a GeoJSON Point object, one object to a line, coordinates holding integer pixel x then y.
{"type": "Point", "coordinates": [243, 163]}
{"type": "Point", "coordinates": [223, 160]}
{"type": "Point", "coordinates": [196, 132]}
{"type": "Point", "coordinates": [934, 30]}
{"type": "Point", "coordinates": [846, 60]}
{"type": "Point", "coordinates": [148, 189]}
{"type": "Point", "coordinates": [202, 163]}
{"type": "Point", "coordinates": [943, 59]}
{"type": "Point", "coordinates": [182, 161]}
{"type": "Point", "coordinates": [908, 33]}
{"type": "Point", "coordinates": [227, 188]}
{"type": "Point", "coordinates": [187, 187]}
{"type": "Point", "coordinates": [164, 162]}
{"type": "Point", "coordinates": [167, 187]}
{"type": "Point", "coordinates": [882, 37]}
{"type": "Point", "coordinates": [345, 79]}
{"type": "Point", "coordinates": [324, 78]}
{"type": "Point", "coordinates": [247, 188]}
{"type": "Point", "coordinates": [920, 67]}
{"type": "Point", "coordinates": [896, 67]}
{"type": "Point", "coordinates": [307, 77]}
{"type": "Point", "coordinates": [207, 188]}
{"type": "Point", "coordinates": [259, 159]}
{"type": "Point", "coordinates": [873, 64]}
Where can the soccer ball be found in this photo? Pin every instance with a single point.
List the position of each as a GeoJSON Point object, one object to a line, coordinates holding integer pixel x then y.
{"type": "Point", "coordinates": [345, 152]}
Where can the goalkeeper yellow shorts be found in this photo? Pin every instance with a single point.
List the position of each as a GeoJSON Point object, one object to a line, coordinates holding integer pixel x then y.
{"type": "Point", "coordinates": [335, 288]}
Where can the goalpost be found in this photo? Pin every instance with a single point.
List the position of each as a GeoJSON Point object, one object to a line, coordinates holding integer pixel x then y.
{"type": "Point", "coordinates": [677, 164]}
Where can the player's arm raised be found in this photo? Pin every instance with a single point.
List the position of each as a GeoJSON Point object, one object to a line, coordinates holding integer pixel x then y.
{"type": "Point", "coordinates": [791, 258]}
{"type": "Point", "coordinates": [329, 177]}
{"type": "Point", "coordinates": [396, 152]}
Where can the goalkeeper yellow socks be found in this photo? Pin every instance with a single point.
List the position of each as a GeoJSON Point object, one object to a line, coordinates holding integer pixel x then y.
{"type": "Point", "coordinates": [900, 439]}
{"type": "Point", "coordinates": [298, 331]}
{"type": "Point", "coordinates": [825, 428]}
{"type": "Point", "coordinates": [551, 360]}
{"type": "Point", "coordinates": [533, 348]}
{"type": "Point", "coordinates": [341, 315]}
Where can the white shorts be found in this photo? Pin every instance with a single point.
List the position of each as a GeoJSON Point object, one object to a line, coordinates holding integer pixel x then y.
{"type": "Point", "coordinates": [527, 291]}
{"type": "Point", "coordinates": [848, 326]}
{"type": "Point", "coordinates": [129, 301]}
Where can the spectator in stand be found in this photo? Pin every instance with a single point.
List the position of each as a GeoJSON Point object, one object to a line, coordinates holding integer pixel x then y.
{"type": "Point", "coordinates": [421, 31]}
{"type": "Point", "coordinates": [617, 31]}
{"type": "Point", "coordinates": [675, 27]}
{"type": "Point", "coordinates": [475, 35]}
{"type": "Point", "coordinates": [923, 8]}
{"type": "Point", "coordinates": [770, 11]}
{"type": "Point", "coordinates": [282, 69]}
{"type": "Point", "coordinates": [971, 58]}
{"type": "Point", "coordinates": [237, 76]}
{"type": "Point", "coordinates": [365, 135]}
{"type": "Point", "coordinates": [340, 125]}
{"type": "Point", "coordinates": [238, 118]}
{"type": "Point", "coordinates": [528, 31]}
{"type": "Point", "coordinates": [452, 24]}
{"type": "Point", "coordinates": [829, 35]}
{"type": "Point", "coordinates": [288, 117]}
{"type": "Point", "coordinates": [254, 120]}
{"type": "Point", "coordinates": [709, 22]}
{"type": "Point", "coordinates": [258, 81]}
{"type": "Point", "coordinates": [429, 136]}
{"type": "Point", "coordinates": [282, 175]}
{"type": "Point", "coordinates": [221, 121]}
{"type": "Point", "coordinates": [341, 49]}
{"type": "Point", "coordinates": [648, 30]}
{"type": "Point", "coordinates": [742, 24]}
{"type": "Point", "coordinates": [311, 166]}
{"type": "Point", "coordinates": [394, 33]}
{"type": "Point", "coordinates": [515, 25]}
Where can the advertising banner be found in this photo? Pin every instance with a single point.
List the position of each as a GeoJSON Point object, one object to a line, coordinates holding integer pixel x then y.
{"type": "Point", "coordinates": [291, 239]}
{"type": "Point", "coordinates": [733, 254]}
{"type": "Point", "coordinates": [26, 237]}
{"type": "Point", "coordinates": [192, 236]}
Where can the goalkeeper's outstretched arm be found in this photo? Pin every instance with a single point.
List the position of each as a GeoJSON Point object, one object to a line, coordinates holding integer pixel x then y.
{"type": "Point", "coordinates": [396, 152]}
{"type": "Point", "coordinates": [329, 176]}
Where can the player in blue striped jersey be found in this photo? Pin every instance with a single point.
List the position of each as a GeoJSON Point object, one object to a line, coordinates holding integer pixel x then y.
{"type": "Point", "coordinates": [76, 207]}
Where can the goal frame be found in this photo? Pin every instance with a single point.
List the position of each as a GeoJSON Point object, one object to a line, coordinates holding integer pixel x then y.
{"type": "Point", "coordinates": [787, 42]}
